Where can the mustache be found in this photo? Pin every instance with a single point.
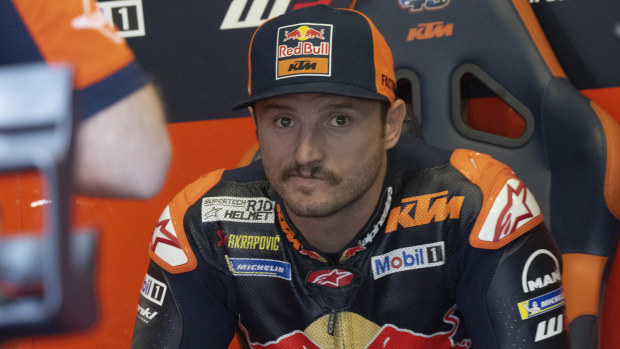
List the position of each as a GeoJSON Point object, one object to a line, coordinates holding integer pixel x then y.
{"type": "Point", "coordinates": [315, 172]}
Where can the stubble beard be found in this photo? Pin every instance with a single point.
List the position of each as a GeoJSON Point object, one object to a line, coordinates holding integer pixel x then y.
{"type": "Point", "coordinates": [346, 191]}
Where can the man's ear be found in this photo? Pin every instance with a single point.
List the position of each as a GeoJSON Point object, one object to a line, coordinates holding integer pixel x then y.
{"type": "Point", "coordinates": [253, 114]}
{"type": "Point", "coordinates": [251, 109]}
{"type": "Point", "coordinates": [394, 123]}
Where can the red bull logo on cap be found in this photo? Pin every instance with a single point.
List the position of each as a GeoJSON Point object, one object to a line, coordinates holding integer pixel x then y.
{"type": "Point", "coordinates": [304, 49]}
{"type": "Point", "coordinates": [304, 33]}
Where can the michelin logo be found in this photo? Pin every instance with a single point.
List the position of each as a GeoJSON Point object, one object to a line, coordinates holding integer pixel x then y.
{"type": "Point", "coordinates": [408, 258]}
{"type": "Point", "coordinates": [237, 209]}
{"type": "Point", "coordinates": [259, 267]}
{"type": "Point", "coordinates": [541, 304]}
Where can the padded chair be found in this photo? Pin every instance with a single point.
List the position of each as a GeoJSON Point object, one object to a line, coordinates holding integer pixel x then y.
{"type": "Point", "coordinates": [46, 278]}
{"type": "Point", "coordinates": [455, 58]}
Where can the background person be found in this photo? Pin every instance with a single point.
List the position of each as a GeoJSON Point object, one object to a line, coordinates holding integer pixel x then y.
{"type": "Point", "coordinates": [122, 144]}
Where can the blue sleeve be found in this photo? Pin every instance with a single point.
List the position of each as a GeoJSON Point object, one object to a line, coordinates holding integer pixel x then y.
{"type": "Point", "coordinates": [186, 310]}
{"type": "Point", "coordinates": [512, 297]}
{"type": "Point", "coordinates": [96, 97]}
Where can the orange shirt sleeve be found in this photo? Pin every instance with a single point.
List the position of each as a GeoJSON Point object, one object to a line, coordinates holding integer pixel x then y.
{"type": "Point", "coordinates": [75, 31]}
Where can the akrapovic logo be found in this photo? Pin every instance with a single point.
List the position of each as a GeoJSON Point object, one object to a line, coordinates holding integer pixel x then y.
{"type": "Point", "coordinates": [238, 209]}
{"type": "Point", "coordinates": [253, 242]}
{"type": "Point", "coordinates": [304, 49]}
{"type": "Point", "coordinates": [408, 258]}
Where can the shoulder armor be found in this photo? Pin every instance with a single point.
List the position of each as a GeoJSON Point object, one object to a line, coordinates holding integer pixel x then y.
{"type": "Point", "coordinates": [508, 209]}
{"type": "Point", "coordinates": [169, 246]}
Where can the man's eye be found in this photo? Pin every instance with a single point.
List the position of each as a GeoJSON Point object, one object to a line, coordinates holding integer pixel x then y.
{"type": "Point", "coordinates": [340, 120]}
{"type": "Point", "coordinates": [284, 122]}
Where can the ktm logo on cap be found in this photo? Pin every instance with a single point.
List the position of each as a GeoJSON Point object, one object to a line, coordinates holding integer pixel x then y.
{"type": "Point", "coordinates": [304, 49]}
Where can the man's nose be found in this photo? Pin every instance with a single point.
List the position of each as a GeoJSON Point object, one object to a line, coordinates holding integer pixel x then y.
{"type": "Point", "coordinates": [309, 147]}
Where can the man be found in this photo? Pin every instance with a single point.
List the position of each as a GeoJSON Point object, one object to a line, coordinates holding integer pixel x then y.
{"type": "Point", "coordinates": [122, 145]}
{"type": "Point", "coordinates": [345, 235]}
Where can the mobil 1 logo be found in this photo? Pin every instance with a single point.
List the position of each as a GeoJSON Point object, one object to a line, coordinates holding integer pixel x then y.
{"type": "Point", "coordinates": [127, 16]}
{"type": "Point", "coordinates": [409, 258]}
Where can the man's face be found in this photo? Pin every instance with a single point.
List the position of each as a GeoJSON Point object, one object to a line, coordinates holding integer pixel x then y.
{"type": "Point", "coordinates": [322, 153]}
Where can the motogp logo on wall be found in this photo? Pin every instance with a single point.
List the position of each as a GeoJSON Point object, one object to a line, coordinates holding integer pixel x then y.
{"type": "Point", "coordinates": [423, 5]}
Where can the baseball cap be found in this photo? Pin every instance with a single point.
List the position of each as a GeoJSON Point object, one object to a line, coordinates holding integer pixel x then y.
{"type": "Point", "coordinates": [319, 49]}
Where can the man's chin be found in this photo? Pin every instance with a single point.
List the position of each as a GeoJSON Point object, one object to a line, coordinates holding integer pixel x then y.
{"type": "Point", "coordinates": [309, 209]}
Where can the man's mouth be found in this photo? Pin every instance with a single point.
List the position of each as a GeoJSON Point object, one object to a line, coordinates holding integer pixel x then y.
{"type": "Point", "coordinates": [310, 174]}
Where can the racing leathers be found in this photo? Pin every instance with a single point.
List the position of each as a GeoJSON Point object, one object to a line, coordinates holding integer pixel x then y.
{"type": "Point", "coordinates": [455, 255]}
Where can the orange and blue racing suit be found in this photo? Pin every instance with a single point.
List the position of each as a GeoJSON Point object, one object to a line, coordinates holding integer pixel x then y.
{"type": "Point", "coordinates": [455, 255]}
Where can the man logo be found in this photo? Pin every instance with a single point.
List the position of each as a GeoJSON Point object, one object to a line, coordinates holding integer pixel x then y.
{"type": "Point", "coordinates": [541, 281]}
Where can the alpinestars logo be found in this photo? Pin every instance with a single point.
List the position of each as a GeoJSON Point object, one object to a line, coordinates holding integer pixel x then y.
{"type": "Point", "coordinates": [330, 277]}
{"type": "Point", "coordinates": [514, 207]}
{"type": "Point", "coordinates": [93, 19]}
{"type": "Point", "coordinates": [515, 211]}
{"type": "Point", "coordinates": [165, 243]}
